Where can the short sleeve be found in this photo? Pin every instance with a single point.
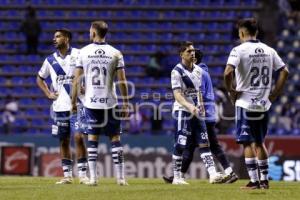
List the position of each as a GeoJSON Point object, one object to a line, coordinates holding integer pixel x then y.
{"type": "Point", "coordinates": [234, 58]}
{"type": "Point", "coordinates": [277, 61]}
{"type": "Point", "coordinates": [176, 80]}
{"type": "Point", "coordinates": [44, 72]}
{"type": "Point", "coordinates": [120, 61]}
{"type": "Point", "coordinates": [79, 60]}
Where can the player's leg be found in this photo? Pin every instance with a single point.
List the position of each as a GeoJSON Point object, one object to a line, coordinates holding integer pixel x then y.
{"type": "Point", "coordinates": [260, 129]}
{"type": "Point", "coordinates": [251, 165]}
{"type": "Point", "coordinates": [183, 127]}
{"type": "Point", "coordinates": [218, 152]}
{"type": "Point", "coordinates": [94, 118]}
{"type": "Point", "coordinates": [263, 165]}
{"type": "Point", "coordinates": [113, 130]}
{"type": "Point", "coordinates": [200, 130]}
{"type": "Point", "coordinates": [93, 141]}
{"type": "Point", "coordinates": [80, 147]}
{"type": "Point", "coordinates": [61, 129]}
{"type": "Point", "coordinates": [245, 137]}
{"type": "Point", "coordinates": [187, 158]}
{"type": "Point", "coordinates": [81, 155]}
{"type": "Point", "coordinates": [118, 158]}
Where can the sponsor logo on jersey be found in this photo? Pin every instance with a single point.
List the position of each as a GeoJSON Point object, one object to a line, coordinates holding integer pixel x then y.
{"type": "Point", "coordinates": [99, 52]}
{"type": "Point", "coordinates": [259, 50]}
{"type": "Point", "coordinates": [95, 99]}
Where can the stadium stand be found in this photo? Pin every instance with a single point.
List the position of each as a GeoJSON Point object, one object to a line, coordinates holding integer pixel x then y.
{"type": "Point", "coordinates": [138, 29]}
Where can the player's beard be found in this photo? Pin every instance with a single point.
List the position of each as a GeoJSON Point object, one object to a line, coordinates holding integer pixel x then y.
{"type": "Point", "coordinates": [61, 46]}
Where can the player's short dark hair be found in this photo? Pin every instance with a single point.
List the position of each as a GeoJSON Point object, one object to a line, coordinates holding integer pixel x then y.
{"type": "Point", "coordinates": [65, 32]}
{"type": "Point", "coordinates": [184, 45]}
{"type": "Point", "coordinates": [198, 56]}
{"type": "Point", "coordinates": [250, 24]}
{"type": "Point", "coordinates": [101, 28]}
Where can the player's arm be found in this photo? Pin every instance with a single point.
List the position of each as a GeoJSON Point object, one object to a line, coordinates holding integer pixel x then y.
{"type": "Point", "coordinates": [40, 80]}
{"type": "Point", "coordinates": [123, 87]}
{"type": "Point", "coordinates": [228, 80]}
{"type": "Point", "coordinates": [44, 87]}
{"type": "Point", "coordinates": [283, 75]}
{"type": "Point", "coordinates": [75, 87]}
{"type": "Point", "coordinates": [182, 101]}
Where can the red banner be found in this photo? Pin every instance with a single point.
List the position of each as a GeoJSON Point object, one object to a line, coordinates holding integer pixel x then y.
{"type": "Point", "coordinates": [16, 160]}
{"type": "Point", "coordinates": [50, 165]}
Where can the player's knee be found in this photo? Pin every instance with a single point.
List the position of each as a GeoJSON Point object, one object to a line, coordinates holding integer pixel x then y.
{"type": "Point", "coordinates": [65, 142]}
{"type": "Point", "coordinates": [216, 149]}
{"type": "Point", "coordinates": [115, 138]}
{"type": "Point", "coordinates": [78, 137]}
{"type": "Point", "coordinates": [178, 149]}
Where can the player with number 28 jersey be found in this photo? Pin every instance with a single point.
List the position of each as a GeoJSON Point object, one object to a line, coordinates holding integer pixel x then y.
{"type": "Point", "coordinates": [254, 63]}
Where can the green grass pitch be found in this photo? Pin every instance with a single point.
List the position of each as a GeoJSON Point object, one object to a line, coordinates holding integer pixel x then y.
{"type": "Point", "coordinates": [23, 188]}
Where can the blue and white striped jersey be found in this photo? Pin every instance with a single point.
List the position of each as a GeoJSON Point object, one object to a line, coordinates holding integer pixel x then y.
{"type": "Point", "coordinates": [60, 71]}
{"type": "Point", "coordinates": [189, 82]}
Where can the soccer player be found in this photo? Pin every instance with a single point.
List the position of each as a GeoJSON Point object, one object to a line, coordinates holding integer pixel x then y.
{"type": "Point", "coordinates": [60, 67]}
{"type": "Point", "coordinates": [99, 62]}
{"type": "Point", "coordinates": [188, 109]}
{"type": "Point", "coordinates": [210, 120]}
{"type": "Point", "coordinates": [253, 63]}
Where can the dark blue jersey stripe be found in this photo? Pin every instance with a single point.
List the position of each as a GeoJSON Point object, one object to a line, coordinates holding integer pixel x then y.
{"type": "Point", "coordinates": [58, 70]}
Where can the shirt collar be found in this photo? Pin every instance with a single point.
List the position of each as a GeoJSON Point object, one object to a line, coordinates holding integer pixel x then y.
{"type": "Point", "coordinates": [253, 41]}
{"type": "Point", "coordinates": [186, 68]}
{"type": "Point", "coordinates": [68, 53]}
{"type": "Point", "coordinates": [100, 43]}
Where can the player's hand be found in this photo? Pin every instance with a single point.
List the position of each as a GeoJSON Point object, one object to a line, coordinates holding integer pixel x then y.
{"type": "Point", "coordinates": [82, 90]}
{"type": "Point", "coordinates": [53, 95]}
{"type": "Point", "coordinates": [194, 110]}
{"type": "Point", "coordinates": [74, 108]}
{"type": "Point", "coordinates": [272, 98]}
{"type": "Point", "coordinates": [124, 112]}
{"type": "Point", "coordinates": [234, 95]}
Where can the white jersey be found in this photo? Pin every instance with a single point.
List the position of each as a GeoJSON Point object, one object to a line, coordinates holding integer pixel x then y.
{"type": "Point", "coordinates": [254, 63]}
{"type": "Point", "coordinates": [190, 84]}
{"type": "Point", "coordinates": [61, 73]}
{"type": "Point", "coordinates": [100, 62]}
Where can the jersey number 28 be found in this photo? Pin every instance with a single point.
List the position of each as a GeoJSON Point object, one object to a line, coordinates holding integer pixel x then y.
{"type": "Point", "coordinates": [260, 75]}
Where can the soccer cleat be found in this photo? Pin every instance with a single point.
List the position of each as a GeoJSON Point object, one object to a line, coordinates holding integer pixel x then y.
{"type": "Point", "coordinates": [264, 184]}
{"type": "Point", "coordinates": [168, 180]}
{"type": "Point", "coordinates": [231, 178]}
{"type": "Point", "coordinates": [122, 182]}
{"type": "Point", "coordinates": [92, 182]}
{"type": "Point", "coordinates": [251, 186]}
{"type": "Point", "coordinates": [84, 180]}
{"type": "Point", "coordinates": [217, 178]}
{"type": "Point", "coordinates": [65, 180]}
{"type": "Point", "coordinates": [179, 181]}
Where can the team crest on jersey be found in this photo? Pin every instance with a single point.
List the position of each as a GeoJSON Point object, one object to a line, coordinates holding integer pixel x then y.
{"type": "Point", "coordinates": [72, 59]}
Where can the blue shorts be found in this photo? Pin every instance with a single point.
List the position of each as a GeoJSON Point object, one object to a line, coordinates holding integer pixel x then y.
{"type": "Point", "coordinates": [190, 130]}
{"type": "Point", "coordinates": [61, 126]}
{"type": "Point", "coordinates": [78, 121]}
{"type": "Point", "coordinates": [251, 126]}
{"type": "Point", "coordinates": [103, 122]}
